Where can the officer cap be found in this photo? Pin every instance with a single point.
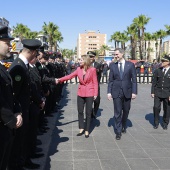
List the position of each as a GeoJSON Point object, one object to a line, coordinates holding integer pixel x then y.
{"type": "Point", "coordinates": [91, 53]}
{"type": "Point", "coordinates": [32, 44]}
{"type": "Point", "coordinates": [4, 34]}
{"type": "Point", "coordinates": [165, 58]}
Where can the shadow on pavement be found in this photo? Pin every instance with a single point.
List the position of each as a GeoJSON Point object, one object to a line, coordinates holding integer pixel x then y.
{"type": "Point", "coordinates": [111, 122]}
{"type": "Point", "coordinates": [150, 117]}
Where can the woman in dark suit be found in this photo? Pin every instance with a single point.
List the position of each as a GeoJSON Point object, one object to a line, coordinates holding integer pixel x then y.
{"type": "Point", "coordinates": [87, 92]}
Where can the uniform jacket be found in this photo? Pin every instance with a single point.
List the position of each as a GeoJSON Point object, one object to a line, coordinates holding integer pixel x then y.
{"type": "Point", "coordinates": [98, 70]}
{"type": "Point", "coordinates": [88, 86]}
{"type": "Point", "coordinates": [8, 105]}
{"type": "Point", "coordinates": [161, 83]}
{"type": "Point", "coordinates": [128, 82]}
{"type": "Point", "coordinates": [21, 85]}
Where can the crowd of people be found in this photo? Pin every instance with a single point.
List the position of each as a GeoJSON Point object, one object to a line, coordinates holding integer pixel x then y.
{"type": "Point", "coordinates": [31, 88]}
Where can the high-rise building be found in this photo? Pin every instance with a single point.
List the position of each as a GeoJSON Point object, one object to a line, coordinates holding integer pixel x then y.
{"type": "Point", "coordinates": [90, 41]}
{"type": "Point", "coordinates": [166, 47]}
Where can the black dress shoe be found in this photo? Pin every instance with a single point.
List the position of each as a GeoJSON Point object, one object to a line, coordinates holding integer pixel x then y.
{"type": "Point", "coordinates": [165, 127]}
{"type": "Point", "coordinates": [123, 130]}
{"type": "Point", "coordinates": [118, 136]}
{"type": "Point", "coordinates": [80, 133]}
{"type": "Point", "coordinates": [86, 136]}
{"type": "Point", "coordinates": [30, 165]}
{"type": "Point", "coordinates": [155, 126]}
{"type": "Point", "coordinates": [37, 155]}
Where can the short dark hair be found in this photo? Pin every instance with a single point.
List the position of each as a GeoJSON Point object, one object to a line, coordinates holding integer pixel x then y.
{"type": "Point", "coordinates": [122, 51]}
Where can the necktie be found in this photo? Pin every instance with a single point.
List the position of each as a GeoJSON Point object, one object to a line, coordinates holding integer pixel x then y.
{"type": "Point", "coordinates": [27, 66]}
{"type": "Point", "coordinates": [121, 70]}
{"type": "Point", "coordinates": [164, 71]}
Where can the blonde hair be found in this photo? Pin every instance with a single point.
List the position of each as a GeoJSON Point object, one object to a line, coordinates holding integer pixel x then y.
{"type": "Point", "coordinates": [87, 62]}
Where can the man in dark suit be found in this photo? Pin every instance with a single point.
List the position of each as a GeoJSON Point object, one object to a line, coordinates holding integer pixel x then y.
{"type": "Point", "coordinates": [96, 65]}
{"type": "Point", "coordinates": [10, 111]}
{"type": "Point", "coordinates": [160, 91]}
{"type": "Point", "coordinates": [122, 88]}
{"type": "Point", "coordinates": [19, 71]}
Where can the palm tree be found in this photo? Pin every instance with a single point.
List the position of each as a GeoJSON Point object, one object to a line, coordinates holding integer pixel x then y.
{"type": "Point", "coordinates": [103, 49]}
{"type": "Point", "coordinates": [132, 31]}
{"type": "Point", "coordinates": [116, 37]}
{"type": "Point", "coordinates": [161, 34]}
{"type": "Point", "coordinates": [123, 39]}
{"type": "Point", "coordinates": [168, 29]}
{"type": "Point", "coordinates": [31, 35]}
{"type": "Point", "coordinates": [20, 31]}
{"type": "Point", "coordinates": [148, 37]}
{"type": "Point", "coordinates": [51, 30]}
{"type": "Point", "coordinates": [140, 23]}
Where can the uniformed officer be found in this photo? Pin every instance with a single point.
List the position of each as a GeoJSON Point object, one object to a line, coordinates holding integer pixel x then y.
{"type": "Point", "coordinates": [98, 69]}
{"type": "Point", "coordinates": [146, 65]}
{"type": "Point", "coordinates": [10, 111]}
{"type": "Point", "coordinates": [19, 71]}
{"type": "Point", "coordinates": [138, 66]}
{"type": "Point", "coordinates": [160, 91]}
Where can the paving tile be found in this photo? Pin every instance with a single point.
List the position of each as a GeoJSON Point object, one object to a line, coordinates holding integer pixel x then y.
{"type": "Point", "coordinates": [87, 165]}
{"type": "Point", "coordinates": [148, 144]}
{"type": "Point", "coordinates": [134, 153]}
{"type": "Point", "coordinates": [60, 165]}
{"type": "Point", "coordinates": [141, 164]}
{"type": "Point", "coordinates": [158, 153]}
{"type": "Point", "coordinates": [83, 145]}
{"type": "Point", "coordinates": [119, 164]}
{"type": "Point", "coordinates": [62, 156]}
{"type": "Point", "coordinates": [162, 163]}
{"type": "Point", "coordinates": [85, 155]}
{"type": "Point", "coordinates": [110, 154]}
{"type": "Point", "coordinates": [105, 145]}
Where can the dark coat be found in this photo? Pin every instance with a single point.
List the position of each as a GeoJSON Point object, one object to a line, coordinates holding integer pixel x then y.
{"type": "Point", "coordinates": [161, 83]}
{"type": "Point", "coordinates": [21, 85]}
{"type": "Point", "coordinates": [8, 105]}
{"type": "Point", "coordinates": [128, 82]}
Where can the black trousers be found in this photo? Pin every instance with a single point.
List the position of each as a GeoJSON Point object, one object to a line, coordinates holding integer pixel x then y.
{"type": "Point", "coordinates": [87, 102]}
{"type": "Point", "coordinates": [6, 139]}
{"type": "Point", "coordinates": [121, 111]}
{"type": "Point", "coordinates": [157, 109]}
{"type": "Point", "coordinates": [97, 102]}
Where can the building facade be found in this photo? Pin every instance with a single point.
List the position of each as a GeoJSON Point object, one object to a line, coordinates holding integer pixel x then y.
{"type": "Point", "coordinates": [166, 47]}
{"type": "Point", "coordinates": [90, 41]}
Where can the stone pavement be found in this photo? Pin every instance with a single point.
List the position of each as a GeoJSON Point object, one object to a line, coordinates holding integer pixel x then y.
{"type": "Point", "coordinates": [141, 148]}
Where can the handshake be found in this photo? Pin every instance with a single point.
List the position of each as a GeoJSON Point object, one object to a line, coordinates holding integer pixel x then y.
{"type": "Point", "coordinates": [57, 81]}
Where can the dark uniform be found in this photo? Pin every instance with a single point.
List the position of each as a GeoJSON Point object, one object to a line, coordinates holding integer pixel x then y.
{"type": "Point", "coordinates": [19, 71]}
{"type": "Point", "coordinates": [8, 106]}
{"type": "Point", "coordinates": [161, 90]}
{"type": "Point", "coordinates": [98, 70]}
{"type": "Point", "coordinates": [146, 65]}
{"type": "Point", "coordinates": [138, 66]}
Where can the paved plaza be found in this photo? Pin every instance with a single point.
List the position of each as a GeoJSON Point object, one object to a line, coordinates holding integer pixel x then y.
{"type": "Point", "coordinates": [141, 148]}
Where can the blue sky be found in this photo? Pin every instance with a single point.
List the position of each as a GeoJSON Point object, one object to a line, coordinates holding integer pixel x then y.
{"type": "Point", "coordinates": [76, 16]}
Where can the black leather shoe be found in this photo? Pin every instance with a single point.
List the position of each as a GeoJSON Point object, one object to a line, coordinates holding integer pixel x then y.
{"type": "Point", "coordinates": [118, 136]}
{"type": "Point", "coordinates": [86, 136]}
{"type": "Point", "coordinates": [80, 134]}
{"type": "Point", "coordinates": [30, 165]}
{"type": "Point", "coordinates": [123, 130]}
{"type": "Point", "coordinates": [165, 127]}
{"type": "Point", "coordinates": [37, 155]}
{"type": "Point", "coordinates": [155, 126]}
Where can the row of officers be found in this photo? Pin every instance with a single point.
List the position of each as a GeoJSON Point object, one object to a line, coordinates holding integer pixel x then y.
{"type": "Point", "coordinates": [28, 94]}
{"type": "Point", "coordinates": [29, 91]}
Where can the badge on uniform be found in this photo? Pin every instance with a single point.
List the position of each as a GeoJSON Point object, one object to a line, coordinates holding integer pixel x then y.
{"type": "Point", "coordinates": [17, 78]}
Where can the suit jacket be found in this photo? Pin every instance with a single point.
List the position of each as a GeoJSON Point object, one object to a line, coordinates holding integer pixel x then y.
{"type": "Point", "coordinates": [128, 82]}
{"type": "Point", "coordinates": [8, 105]}
{"type": "Point", "coordinates": [88, 86]}
{"type": "Point", "coordinates": [161, 83]}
